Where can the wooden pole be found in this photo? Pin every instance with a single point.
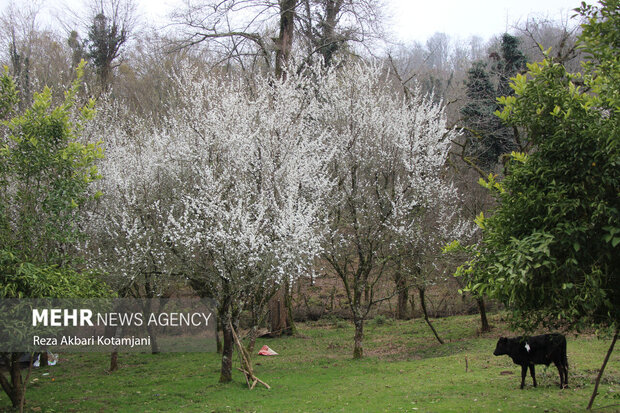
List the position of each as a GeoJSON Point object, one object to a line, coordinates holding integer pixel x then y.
{"type": "Point", "coordinates": [246, 365]}
{"type": "Point", "coordinates": [600, 373]}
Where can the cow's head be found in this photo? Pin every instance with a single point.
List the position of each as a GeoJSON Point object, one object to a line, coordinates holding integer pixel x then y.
{"type": "Point", "coordinates": [501, 347]}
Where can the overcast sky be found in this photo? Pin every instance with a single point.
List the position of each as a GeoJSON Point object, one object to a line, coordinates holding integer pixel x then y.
{"type": "Point", "coordinates": [411, 20]}
{"type": "Point", "coordinates": [419, 19]}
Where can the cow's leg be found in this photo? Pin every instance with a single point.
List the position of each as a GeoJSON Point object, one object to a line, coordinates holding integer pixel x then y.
{"type": "Point", "coordinates": [564, 367]}
{"type": "Point", "coordinates": [523, 374]}
{"type": "Point", "coordinates": [562, 373]}
{"type": "Point", "coordinates": [533, 373]}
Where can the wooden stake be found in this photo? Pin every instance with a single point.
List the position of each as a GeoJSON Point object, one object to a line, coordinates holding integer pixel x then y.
{"type": "Point", "coordinates": [600, 372]}
{"type": "Point", "coordinates": [246, 365]}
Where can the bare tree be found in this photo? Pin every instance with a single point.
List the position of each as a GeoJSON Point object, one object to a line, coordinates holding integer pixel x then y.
{"type": "Point", "coordinates": [111, 22]}
{"type": "Point", "coordinates": [100, 33]}
{"type": "Point", "coordinates": [540, 34]}
{"type": "Point", "coordinates": [19, 31]}
{"type": "Point", "coordinates": [230, 29]}
{"type": "Point", "coordinates": [327, 26]}
{"type": "Point", "coordinates": [270, 30]}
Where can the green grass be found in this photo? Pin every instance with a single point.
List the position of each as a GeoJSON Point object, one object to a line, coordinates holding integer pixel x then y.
{"type": "Point", "coordinates": [405, 370]}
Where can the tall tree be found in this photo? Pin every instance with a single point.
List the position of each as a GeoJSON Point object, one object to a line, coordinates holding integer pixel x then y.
{"type": "Point", "coordinates": [46, 172]}
{"type": "Point", "coordinates": [237, 28]}
{"type": "Point", "coordinates": [550, 249]}
{"type": "Point", "coordinates": [248, 219]}
{"type": "Point", "coordinates": [127, 223]}
{"type": "Point", "coordinates": [487, 139]}
{"type": "Point", "coordinates": [389, 156]}
{"type": "Point", "coordinates": [110, 23]}
{"type": "Point", "coordinates": [510, 62]}
{"type": "Point", "coordinates": [483, 146]}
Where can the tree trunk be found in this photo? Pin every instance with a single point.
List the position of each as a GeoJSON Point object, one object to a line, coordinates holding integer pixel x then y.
{"type": "Point", "coordinates": [15, 388]}
{"type": "Point", "coordinates": [277, 314]}
{"type": "Point", "coordinates": [403, 296]}
{"type": "Point", "coordinates": [484, 322]}
{"type": "Point", "coordinates": [43, 358]}
{"type": "Point", "coordinates": [252, 335]}
{"type": "Point", "coordinates": [328, 41]}
{"type": "Point", "coordinates": [218, 342]}
{"type": "Point", "coordinates": [600, 373]}
{"type": "Point", "coordinates": [118, 333]}
{"type": "Point", "coordinates": [280, 312]}
{"type": "Point", "coordinates": [114, 361]}
{"type": "Point", "coordinates": [291, 330]}
{"type": "Point", "coordinates": [227, 350]}
{"type": "Point", "coordinates": [332, 298]}
{"type": "Point", "coordinates": [285, 37]}
{"type": "Point", "coordinates": [147, 308]}
{"type": "Point", "coordinates": [412, 305]}
{"type": "Point", "coordinates": [25, 383]}
{"type": "Point", "coordinates": [358, 347]}
{"type": "Point", "coordinates": [255, 311]}
{"type": "Point", "coordinates": [111, 332]}
{"type": "Point", "coordinates": [428, 321]}
{"type": "Point", "coordinates": [153, 336]}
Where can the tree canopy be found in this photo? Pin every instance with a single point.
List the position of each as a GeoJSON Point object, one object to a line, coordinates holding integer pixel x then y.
{"type": "Point", "coordinates": [550, 249]}
{"type": "Point", "coordinates": [487, 138]}
{"type": "Point", "coordinates": [45, 176]}
{"type": "Point", "coordinates": [46, 173]}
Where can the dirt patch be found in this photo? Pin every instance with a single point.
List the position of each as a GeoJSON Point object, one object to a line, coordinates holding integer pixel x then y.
{"type": "Point", "coordinates": [389, 350]}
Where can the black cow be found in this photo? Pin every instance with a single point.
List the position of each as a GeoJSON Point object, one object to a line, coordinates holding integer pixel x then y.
{"type": "Point", "coordinates": [528, 351]}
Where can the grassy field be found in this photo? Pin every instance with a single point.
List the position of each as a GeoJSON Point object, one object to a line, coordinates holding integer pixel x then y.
{"type": "Point", "coordinates": [405, 370]}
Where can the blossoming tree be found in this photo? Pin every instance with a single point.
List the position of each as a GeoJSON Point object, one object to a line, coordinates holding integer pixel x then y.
{"type": "Point", "coordinates": [249, 216]}
{"type": "Point", "coordinates": [389, 157]}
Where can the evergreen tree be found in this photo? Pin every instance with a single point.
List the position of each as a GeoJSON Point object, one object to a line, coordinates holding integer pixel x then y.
{"type": "Point", "coordinates": [105, 39]}
{"type": "Point", "coordinates": [487, 138]}
{"type": "Point", "coordinates": [483, 143]}
{"type": "Point", "coordinates": [512, 61]}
